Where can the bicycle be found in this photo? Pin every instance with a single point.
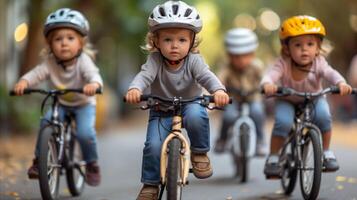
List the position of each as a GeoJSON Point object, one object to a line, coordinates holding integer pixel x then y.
{"type": "Point", "coordinates": [59, 149]}
{"type": "Point", "coordinates": [175, 152]}
{"type": "Point", "coordinates": [242, 136]}
{"type": "Point", "coordinates": [302, 150]}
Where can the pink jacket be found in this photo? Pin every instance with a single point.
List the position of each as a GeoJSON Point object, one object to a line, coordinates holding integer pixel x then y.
{"type": "Point", "coordinates": [280, 74]}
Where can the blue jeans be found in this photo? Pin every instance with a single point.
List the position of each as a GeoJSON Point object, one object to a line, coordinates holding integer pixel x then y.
{"type": "Point", "coordinates": [195, 121]}
{"type": "Point", "coordinates": [285, 113]}
{"type": "Point", "coordinates": [231, 113]}
{"type": "Point", "coordinates": [84, 117]}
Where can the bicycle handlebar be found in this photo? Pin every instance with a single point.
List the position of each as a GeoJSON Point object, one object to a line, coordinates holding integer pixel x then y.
{"type": "Point", "coordinates": [56, 92]}
{"type": "Point", "coordinates": [243, 93]}
{"type": "Point", "coordinates": [208, 98]}
{"type": "Point", "coordinates": [285, 91]}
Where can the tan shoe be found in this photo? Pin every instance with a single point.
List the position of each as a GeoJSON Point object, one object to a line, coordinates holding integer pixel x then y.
{"type": "Point", "coordinates": [201, 165]}
{"type": "Point", "coordinates": [32, 172]}
{"type": "Point", "coordinates": [148, 192]}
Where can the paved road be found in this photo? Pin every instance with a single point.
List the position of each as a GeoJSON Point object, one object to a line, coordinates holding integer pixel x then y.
{"type": "Point", "coordinates": [121, 149]}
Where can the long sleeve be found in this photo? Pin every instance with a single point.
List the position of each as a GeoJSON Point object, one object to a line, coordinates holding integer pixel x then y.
{"type": "Point", "coordinates": [36, 75]}
{"type": "Point", "coordinates": [204, 76]}
{"type": "Point", "coordinates": [90, 71]}
{"type": "Point", "coordinates": [274, 73]}
{"type": "Point", "coordinates": [147, 74]}
{"type": "Point", "coordinates": [329, 74]}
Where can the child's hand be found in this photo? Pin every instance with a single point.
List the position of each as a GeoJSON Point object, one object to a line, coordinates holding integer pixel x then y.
{"type": "Point", "coordinates": [221, 98]}
{"type": "Point", "coordinates": [20, 87]}
{"type": "Point", "coordinates": [90, 89]}
{"type": "Point", "coordinates": [133, 96]}
{"type": "Point", "coordinates": [345, 89]}
{"type": "Point", "coordinates": [270, 89]}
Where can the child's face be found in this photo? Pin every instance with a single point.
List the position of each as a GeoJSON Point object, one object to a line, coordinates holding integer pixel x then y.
{"type": "Point", "coordinates": [174, 43]}
{"type": "Point", "coordinates": [65, 43]}
{"type": "Point", "coordinates": [303, 49]}
{"type": "Point", "coordinates": [241, 62]}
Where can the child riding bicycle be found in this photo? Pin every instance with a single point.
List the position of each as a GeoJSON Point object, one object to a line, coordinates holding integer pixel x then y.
{"type": "Point", "coordinates": [243, 73]}
{"type": "Point", "coordinates": [302, 68]}
{"type": "Point", "coordinates": [68, 63]}
{"type": "Point", "coordinates": [175, 69]}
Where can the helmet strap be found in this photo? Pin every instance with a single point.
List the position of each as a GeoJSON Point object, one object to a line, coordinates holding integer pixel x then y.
{"type": "Point", "coordinates": [62, 62]}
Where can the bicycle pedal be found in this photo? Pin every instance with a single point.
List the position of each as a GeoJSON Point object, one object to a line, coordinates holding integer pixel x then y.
{"type": "Point", "coordinates": [273, 177]}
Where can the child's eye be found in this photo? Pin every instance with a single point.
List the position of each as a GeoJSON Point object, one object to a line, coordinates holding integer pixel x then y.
{"type": "Point", "coordinates": [183, 40]}
{"type": "Point", "coordinates": [311, 44]}
{"type": "Point", "coordinates": [57, 39]}
{"type": "Point", "coordinates": [70, 38]}
{"type": "Point", "coordinates": [167, 39]}
{"type": "Point", "coordinates": [297, 45]}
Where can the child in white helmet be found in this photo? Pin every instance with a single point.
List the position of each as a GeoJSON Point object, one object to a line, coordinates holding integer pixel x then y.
{"type": "Point", "coordinates": [243, 73]}
{"type": "Point", "coordinates": [173, 68]}
{"type": "Point", "coordinates": [68, 63]}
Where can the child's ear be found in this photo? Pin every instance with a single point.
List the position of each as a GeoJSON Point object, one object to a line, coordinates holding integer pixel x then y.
{"type": "Point", "coordinates": [285, 50]}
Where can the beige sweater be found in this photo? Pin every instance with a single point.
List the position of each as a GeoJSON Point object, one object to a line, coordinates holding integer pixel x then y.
{"type": "Point", "coordinates": [83, 71]}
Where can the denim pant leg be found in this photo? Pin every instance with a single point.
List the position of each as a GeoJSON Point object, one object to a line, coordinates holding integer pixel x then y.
{"type": "Point", "coordinates": [284, 118]}
{"type": "Point", "coordinates": [257, 113]}
{"type": "Point", "coordinates": [86, 133]}
{"type": "Point", "coordinates": [321, 115]}
{"type": "Point", "coordinates": [229, 116]}
{"type": "Point", "coordinates": [158, 129]}
{"type": "Point", "coordinates": [196, 122]}
{"type": "Point", "coordinates": [44, 122]}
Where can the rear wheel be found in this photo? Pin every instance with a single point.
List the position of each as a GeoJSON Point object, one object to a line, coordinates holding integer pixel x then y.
{"type": "Point", "coordinates": [311, 165]}
{"type": "Point", "coordinates": [174, 182]}
{"type": "Point", "coordinates": [76, 168]}
{"type": "Point", "coordinates": [48, 165]}
{"type": "Point", "coordinates": [289, 176]}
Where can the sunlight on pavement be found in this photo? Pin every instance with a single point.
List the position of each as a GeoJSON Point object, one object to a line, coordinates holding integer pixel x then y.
{"type": "Point", "coordinates": [340, 187]}
{"type": "Point", "coordinates": [341, 179]}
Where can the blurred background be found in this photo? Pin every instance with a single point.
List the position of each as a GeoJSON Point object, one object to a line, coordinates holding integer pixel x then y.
{"type": "Point", "coordinates": [117, 30]}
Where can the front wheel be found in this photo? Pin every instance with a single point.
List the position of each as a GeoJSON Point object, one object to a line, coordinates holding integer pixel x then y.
{"type": "Point", "coordinates": [243, 159]}
{"type": "Point", "coordinates": [174, 182]}
{"type": "Point", "coordinates": [289, 176]}
{"type": "Point", "coordinates": [48, 164]}
{"type": "Point", "coordinates": [311, 165]}
{"type": "Point", "coordinates": [76, 168]}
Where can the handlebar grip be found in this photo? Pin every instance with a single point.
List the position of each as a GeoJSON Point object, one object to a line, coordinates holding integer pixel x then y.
{"type": "Point", "coordinates": [211, 99]}
{"type": "Point", "coordinates": [354, 91]}
{"type": "Point", "coordinates": [99, 91]}
{"type": "Point", "coordinates": [280, 90]}
{"type": "Point", "coordinates": [26, 91]}
{"type": "Point", "coordinates": [143, 97]}
{"type": "Point", "coordinates": [335, 90]}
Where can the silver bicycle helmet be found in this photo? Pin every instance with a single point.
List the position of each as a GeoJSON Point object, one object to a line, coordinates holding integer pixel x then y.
{"type": "Point", "coordinates": [241, 41]}
{"type": "Point", "coordinates": [175, 14]}
{"type": "Point", "coordinates": [69, 18]}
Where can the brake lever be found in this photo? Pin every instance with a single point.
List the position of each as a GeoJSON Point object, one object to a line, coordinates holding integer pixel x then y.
{"type": "Point", "coordinates": [144, 107]}
{"type": "Point", "coordinates": [214, 108]}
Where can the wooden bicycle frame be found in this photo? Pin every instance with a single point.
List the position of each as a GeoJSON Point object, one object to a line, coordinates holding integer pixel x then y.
{"type": "Point", "coordinates": [184, 153]}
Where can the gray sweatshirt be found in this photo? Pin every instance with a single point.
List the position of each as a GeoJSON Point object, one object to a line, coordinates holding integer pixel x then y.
{"type": "Point", "coordinates": [184, 82]}
{"type": "Point", "coordinates": [75, 76]}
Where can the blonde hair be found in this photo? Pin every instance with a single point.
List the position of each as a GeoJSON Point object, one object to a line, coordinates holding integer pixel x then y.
{"type": "Point", "coordinates": [87, 47]}
{"type": "Point", "coordinates": [151, 47]}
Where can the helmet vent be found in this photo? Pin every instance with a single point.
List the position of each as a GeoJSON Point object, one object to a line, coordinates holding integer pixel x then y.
{"type": "Point", "coordinates": [152, 16]}
{"type": "Point", "coordinates": [175, 9]}
{"type": "Point", "coordinates": [52, 16]}
{"type": "Point", "coordinates": [61, 12]}
{"type": "Point", "coordinates": [198, 17]}
{"type": "Point", "coordinates": [188, 12]}
{"type": "Point", "coordinates": [162, 11]}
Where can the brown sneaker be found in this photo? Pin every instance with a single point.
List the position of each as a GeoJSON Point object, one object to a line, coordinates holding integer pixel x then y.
{"type": "Point", "coordinates": [148, 192]}
{"type": "Point", "coordinates": [32, 172]}
{"type": "Point", "coordinates": [201, 165]}
{"type": "Point", "coordinates": [93, 174]}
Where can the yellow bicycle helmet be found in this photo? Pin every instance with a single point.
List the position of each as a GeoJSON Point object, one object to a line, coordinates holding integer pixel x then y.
{"type": "Point", "coordinates": [301, 25]}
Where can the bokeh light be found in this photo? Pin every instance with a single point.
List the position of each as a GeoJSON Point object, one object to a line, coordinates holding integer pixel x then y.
{"type": "Point", "coordinates": [353, 22]}
{"type": "Point", "coordinates": [269, 20]}
{"type": "Point", "coordinates": [21, 32]}
{"type": "Point", "coordinates": [246, 21]}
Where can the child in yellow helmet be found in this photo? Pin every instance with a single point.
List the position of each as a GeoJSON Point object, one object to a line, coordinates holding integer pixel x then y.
{"type": "Point", "coordinates": [302, 68]}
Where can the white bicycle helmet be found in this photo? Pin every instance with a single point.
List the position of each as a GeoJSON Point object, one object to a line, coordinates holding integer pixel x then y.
{"type": "Point", "coordinates": [241, 41]}
{"type": "Point", "coordinates": [175, 14]}
{"type": "Point", "coordinates": [65, 17]}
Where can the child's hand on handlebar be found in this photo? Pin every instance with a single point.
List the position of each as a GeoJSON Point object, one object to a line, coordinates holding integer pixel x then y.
{"type": "Point", "coordinates": [221, 98]}
{"type": "Point", "coordinates": [270, 89]}
{"type": "Point", "coordinates": [133, 96]}
{"type": "Point", "coordinates": [90, 89]}
{"type": "Point", "coordinates": [345, 89]}
{"type": "Point", "coordinates": [20, 87]}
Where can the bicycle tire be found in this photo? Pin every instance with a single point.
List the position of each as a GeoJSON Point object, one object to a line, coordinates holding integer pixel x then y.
{"type": "Point", "coordinates": [243, 159]}
{"type": "Point", "coordinates": [75, 179]}
{"type": "Point", "coordinates": [173, 187]}
{"type": "Point", "coordinates": [311, 191]}
{"type": "Point", "coordinates": [289, 176]}
{"type": "Point", "coordinates": [48, 161]}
